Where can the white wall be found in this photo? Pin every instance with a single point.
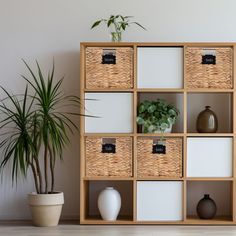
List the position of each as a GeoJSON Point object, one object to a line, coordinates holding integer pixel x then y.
{"type": "Point", "coordinates": [42, 29]}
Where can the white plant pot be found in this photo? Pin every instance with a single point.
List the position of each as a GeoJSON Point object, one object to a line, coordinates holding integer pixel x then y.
{"type": "Point", "coordinates": [46, 208]}
{"type": "Point", "coordinates": [167, 130]}
{"type": "Point", "coordinates": [109, 204]}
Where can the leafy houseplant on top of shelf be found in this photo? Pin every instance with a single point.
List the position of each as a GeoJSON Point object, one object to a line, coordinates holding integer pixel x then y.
{"type": "Point", "coordinates": [34, 130]}
{"type": "Point", "coordinates": [156, 116]}
{"type": "Point", "coordinates": [117, 25]}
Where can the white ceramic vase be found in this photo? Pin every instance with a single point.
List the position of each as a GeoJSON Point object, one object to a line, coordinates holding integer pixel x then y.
{"type": "Point", "coordinates": [109, 204]}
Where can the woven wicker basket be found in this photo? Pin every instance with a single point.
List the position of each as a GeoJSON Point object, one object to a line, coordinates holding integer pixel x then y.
{"type": "Point", "coordinates": [118, 75]}
{"type": "Point", "coordinates": [108, 164]}
{"type": "Point", "coordinates": [218, 75]}
{"type": "Point", "coordinates": [159, 165]}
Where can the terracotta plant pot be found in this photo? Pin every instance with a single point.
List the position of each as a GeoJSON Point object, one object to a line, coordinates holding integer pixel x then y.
{"type": "Point", "coordinates": [46, 208]}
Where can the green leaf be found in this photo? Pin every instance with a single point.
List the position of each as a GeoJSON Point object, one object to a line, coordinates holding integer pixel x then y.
{"type": "Point", "coordinates": [136, 23]}
{"type": "Point", "coordinates": [96, 23]}
{"type": "Point", "coordinates": [140, 120]}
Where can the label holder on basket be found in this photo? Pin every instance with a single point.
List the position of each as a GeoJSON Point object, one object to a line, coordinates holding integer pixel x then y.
{"type": "Point", "coordinates": [109, 56]}
{"type": "Point", "coordinates": [108, 145]}
{"type": "Point", "coordinates": [209, 57]}
{"type": "Point", "coordinates": [159, 146]}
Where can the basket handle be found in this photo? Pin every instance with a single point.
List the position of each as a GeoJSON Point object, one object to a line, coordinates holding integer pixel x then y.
{"type": "Point", "coordinates": [158, 147]}
{"type": "Point", "coordinates": [209, 57]}
{"type": "Point", "coordinates": [108, 145]}
{"type": "Point", "coordinates": [109, 56]}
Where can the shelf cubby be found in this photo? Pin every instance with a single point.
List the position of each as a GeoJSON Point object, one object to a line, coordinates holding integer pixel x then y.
{"type": "Point", "coordinates": [159, 201]}
{"type": "Point", "coordinates": [221, 104]}
{"type": "Point", "coordinates": [171, 97]}
{"type": "Point", "coordinates": [160, 67]}
{"type": "Point", "coordinates": [92, 190]}
{"type": "Point", "coordinates": [219, 191]}
{"type": "Point", "coordinates": [209, 157]}
{"type": "Point", "coordinates": [113, 112]}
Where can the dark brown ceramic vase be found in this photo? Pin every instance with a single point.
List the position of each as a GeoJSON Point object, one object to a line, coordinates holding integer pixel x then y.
{"type": "Point", "coordinates": [207, 121]}
{"type": "Point", "coordinates": [206, 208]}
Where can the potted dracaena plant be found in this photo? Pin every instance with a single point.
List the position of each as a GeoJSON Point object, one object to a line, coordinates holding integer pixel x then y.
{"type": "Point", "coordinates": [34, 130]}
{"type": "Point", "coordinates": [117, 25]}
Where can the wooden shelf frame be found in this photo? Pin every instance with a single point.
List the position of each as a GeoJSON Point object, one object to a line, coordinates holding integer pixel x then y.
{"type": "Point", "coordinates": [187, 220]}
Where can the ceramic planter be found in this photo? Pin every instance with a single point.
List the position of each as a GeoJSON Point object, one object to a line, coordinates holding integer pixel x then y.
{"type": "Point", "coordinates": [46, 208]}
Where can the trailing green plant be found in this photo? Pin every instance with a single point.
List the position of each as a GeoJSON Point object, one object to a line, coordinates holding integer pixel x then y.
{"type": "Point", "coordinates": [118, 23]}
{"type": "Point", "coordinates": [156, 116]}
{"type": "Point", "coordinates": [35, 127]}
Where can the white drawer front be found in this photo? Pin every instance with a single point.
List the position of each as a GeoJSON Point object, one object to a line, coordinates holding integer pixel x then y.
{"type": "Point", "coordinates": [159, 201]}
{"type": "Point", "coordinates": [209, 157]}
{"type": "Point", "coordinates": [114, 111]}
{"type": "Point", "coordinates": [160, 67]}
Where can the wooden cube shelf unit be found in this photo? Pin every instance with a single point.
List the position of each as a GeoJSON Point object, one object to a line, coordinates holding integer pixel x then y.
{"type": "Point", "coordinates": [203, 162]}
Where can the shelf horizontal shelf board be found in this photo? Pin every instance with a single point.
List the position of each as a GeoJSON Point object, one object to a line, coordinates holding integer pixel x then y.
{"type": "Point", "coordinates": [97, 220]}
{"type": "Point", "coordinates": [209, 90]}
{"type": "Point", "coordinates": [156, 90]}
{"type": "Point", "coordinates": [159, 222]}
{"type": "Point", "coordinates": [209, 178]}
{"type": "Point", "coordinates": [158, 178]}
{"type": "Point", "coordinates": [210, 134]}
{"type": "Point", "coordinates": [216, 220]}
{"type": "Point", "coordinates": [109, 178]}
{"type": "Point", "coordinates": [108, 90]}
{"type": "Point", "coordinates": [160, 134]}
{"type": "Point", "coordinates": [109, 134]}
{"type": "Point", "coordinates": [156, 44]}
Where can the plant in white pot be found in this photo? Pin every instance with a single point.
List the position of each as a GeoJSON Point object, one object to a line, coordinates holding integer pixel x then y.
{"type": "Point", "coordinates": [156, 116]}
{"type": "Point", "coordinates": [34, 131]}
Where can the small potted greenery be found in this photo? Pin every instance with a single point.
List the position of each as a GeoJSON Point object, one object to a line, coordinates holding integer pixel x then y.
{"type": "Point", "coordinates": [156, 116]}
{"type": "Point", "coordinates": [117, 24]}
{"type": "Point", "coordinates": [34, 131]}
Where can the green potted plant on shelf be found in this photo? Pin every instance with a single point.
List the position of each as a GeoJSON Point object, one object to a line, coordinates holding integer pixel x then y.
{"type": "Point", "coordinates": [34, 131]}
{"type": "Point", "coordinates": [156, 116]}
{"type": "Point", "coordinates": [117, 25]}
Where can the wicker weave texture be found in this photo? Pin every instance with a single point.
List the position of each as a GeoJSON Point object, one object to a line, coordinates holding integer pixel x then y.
{"type": "Point", "coordinates": [159, 165]}
{"type": "Point", "coordinates": [119, 75]}
{"type": "Point", "coordinates": [108, 164]}
{"type": "Point", "coordinates": [218, 76]}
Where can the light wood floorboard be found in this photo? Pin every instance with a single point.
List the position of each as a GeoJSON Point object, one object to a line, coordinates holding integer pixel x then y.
{"type": "Point", "coordinates": [25, 229]}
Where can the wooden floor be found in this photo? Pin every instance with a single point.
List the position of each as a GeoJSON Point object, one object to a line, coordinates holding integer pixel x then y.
{"type": "Point", "coordinates": [16, 229]}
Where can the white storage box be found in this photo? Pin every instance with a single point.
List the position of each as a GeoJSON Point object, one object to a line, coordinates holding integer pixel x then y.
{"type": "Point", "coordinates": [159, 200]}
{"type": "Point", "coordinates": [160, 67]}
{"type": "Point", "coordinates": [209, 157]}
{"type": "Point", "coordinates": [114, 111]}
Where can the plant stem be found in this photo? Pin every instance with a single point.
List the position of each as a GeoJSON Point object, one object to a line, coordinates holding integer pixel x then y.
{"type": "Point", "coordinates": [45, 168]}
{"type": "Point", "coordinates": [35, 177]}
{"type": "Point", "coordinates": [38, 173]}
{"type": "Point", "coordinates": [52, 164]}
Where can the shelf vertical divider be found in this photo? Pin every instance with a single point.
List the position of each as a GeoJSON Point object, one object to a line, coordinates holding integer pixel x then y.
{"type": "Point", "coordinates": [83, 187]}
{"type": "Point", "coordinates": [135, 98]}
{"type": "Point", "coordinates": [184, 140]}
{"type": "Point", "coordinates": [234, 132]}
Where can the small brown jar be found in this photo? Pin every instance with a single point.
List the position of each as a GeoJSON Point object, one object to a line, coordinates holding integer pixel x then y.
{"type": "Point", "coordinates": [206, 208]}
{"type": "Point", "coordinates": [207, 121]}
